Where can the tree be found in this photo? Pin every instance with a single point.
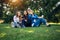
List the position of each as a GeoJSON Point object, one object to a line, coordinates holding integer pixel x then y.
{"type": "Point", "coordinates": [46, 7]}
{"type": "Point", "coordinates": [1, 8]}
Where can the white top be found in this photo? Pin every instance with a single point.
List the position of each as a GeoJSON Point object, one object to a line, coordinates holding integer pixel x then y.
{"type": "Point", "coordinates": [15, 19]}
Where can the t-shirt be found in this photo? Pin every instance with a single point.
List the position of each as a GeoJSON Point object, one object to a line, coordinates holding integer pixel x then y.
{"type": "Point", "coordinates": [15, 19]}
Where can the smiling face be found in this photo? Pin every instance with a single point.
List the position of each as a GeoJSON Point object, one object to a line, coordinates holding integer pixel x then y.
{"type": "Point", "coordinates": [18, 13]}
{"type": "Point", "coordinates": [30, 11]}
{"type": "Point", "coordinates": [25, 12]}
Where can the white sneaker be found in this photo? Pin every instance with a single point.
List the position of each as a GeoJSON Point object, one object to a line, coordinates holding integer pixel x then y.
{"type": "Point", "coordinates": [12, 24]}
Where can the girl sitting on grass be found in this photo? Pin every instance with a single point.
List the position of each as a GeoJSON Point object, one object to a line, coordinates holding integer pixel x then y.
{"type": "Point", "coordinates": [35, 20]}
{"type": "Point", "coordinates": [17, 20]}
{"type": "Point", "coordinates": [21, 21]}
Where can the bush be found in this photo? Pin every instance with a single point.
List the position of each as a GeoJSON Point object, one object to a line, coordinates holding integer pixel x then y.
{"type": "Point", "coordinates": [7, 19]}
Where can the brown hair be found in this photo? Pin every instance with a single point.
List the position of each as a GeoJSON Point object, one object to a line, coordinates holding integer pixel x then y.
{"type": "Point", "coordinates": [17, 13]}
{"type": "Point", "coordinates": [26, 12]}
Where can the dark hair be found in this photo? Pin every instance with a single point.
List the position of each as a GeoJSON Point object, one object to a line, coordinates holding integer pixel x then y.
{"type": "Point", "coordinates": [26, 11]}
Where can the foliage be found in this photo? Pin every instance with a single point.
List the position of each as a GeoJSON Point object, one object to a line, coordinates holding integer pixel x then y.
{"type": "Point", "coordinates": [46, 7]}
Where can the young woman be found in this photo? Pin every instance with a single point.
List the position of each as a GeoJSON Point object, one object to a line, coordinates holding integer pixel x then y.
{"type": "Point", "coordinates": [27, 19]}
{"type": "Point", "coordinates": [35, 20]}
{"type": "Point", "coordinates": [16, 18]}
{"type": "Point", "coordinates": [21, 21]}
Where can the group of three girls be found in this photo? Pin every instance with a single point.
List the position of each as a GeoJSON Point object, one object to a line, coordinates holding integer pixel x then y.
{"type": "Point", "coordinates": [28, 19]}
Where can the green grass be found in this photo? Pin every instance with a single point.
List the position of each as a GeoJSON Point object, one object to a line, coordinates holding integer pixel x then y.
{"type": "Point", "coordinates": [30, 33]}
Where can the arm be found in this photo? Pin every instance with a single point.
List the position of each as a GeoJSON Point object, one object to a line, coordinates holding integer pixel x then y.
{"type": "Point", "coordinates": [14, 19]}
{"type": "Point", "coordinates": [41, 16]}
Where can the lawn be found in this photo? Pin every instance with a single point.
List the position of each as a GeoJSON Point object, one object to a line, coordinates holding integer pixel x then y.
{"type": "Point", "coordinates": [30, 33]}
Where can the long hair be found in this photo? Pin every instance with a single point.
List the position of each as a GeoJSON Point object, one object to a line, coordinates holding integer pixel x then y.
{"type": "Point", "coordinates": [26, 12]}
{"type": "Point", "coordinates": [17, 13]}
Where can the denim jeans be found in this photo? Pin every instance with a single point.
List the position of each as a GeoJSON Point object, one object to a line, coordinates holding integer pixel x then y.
{"type": "Point", "coordinates": [15, 24]}
{"type": "Point", "coordinates": [37, 22]}
{"type": "Point", "coordinates": [18, 24]}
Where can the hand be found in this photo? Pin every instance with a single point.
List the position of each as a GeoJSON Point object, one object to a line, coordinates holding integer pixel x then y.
{"type": "Point", "coordinates": [39, 17]}
{"type": "Point", "coordinates": [26, 20]}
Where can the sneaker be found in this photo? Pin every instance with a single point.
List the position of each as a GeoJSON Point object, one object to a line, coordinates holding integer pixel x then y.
{"type": "Point", "coordinates": [49, 25]}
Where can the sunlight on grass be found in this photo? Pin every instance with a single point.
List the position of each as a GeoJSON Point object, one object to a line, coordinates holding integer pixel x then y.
{"type": "Point", "coordinates": [2, 34]}
{"type": "Point", "coordinates": [54, 23]}
{"type": "Point", "coordinates": [21, 30]}
{"type": "Point", "coordinates": [47, 30]}
{"type": "Point", "coordinates": [58, 30]}
{"type": "Point", "coordinates": [30, 31]}
{"type": "Point", "coordinates": [7, 27]}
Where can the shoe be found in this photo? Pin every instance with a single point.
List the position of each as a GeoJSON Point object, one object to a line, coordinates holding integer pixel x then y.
{"type": "Point", "coordinates": [49, 25]}
{"type": "Point", "coordinates": [15, 26]}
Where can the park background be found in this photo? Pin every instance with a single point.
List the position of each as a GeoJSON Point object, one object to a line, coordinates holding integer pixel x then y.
{"type": "Point", "coordinates": [49, 8]}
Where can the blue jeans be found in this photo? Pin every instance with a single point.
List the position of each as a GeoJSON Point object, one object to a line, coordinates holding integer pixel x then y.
{"type": "Point", "coordinates": [38, 22]}
{"type": "Point", "coordinates": [16, 24]}
{"type": "Point", "coordinates": [22, 24]}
